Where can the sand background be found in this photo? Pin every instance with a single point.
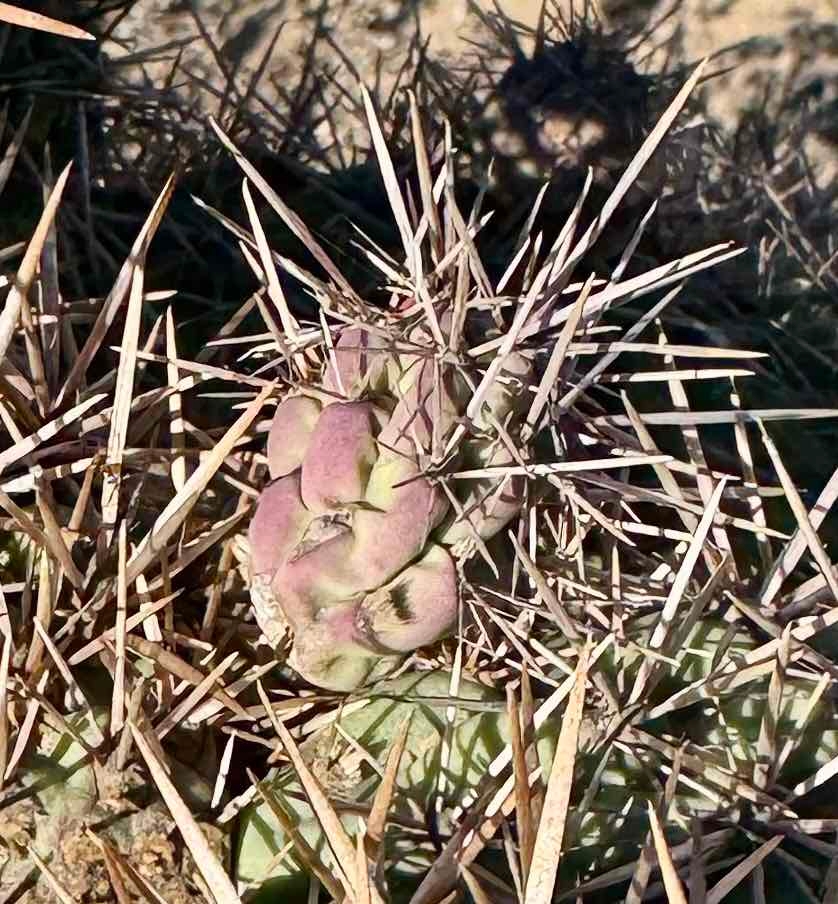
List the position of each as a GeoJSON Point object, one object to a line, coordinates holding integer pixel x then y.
{"type": "Point", "coordinates": [772, 49]}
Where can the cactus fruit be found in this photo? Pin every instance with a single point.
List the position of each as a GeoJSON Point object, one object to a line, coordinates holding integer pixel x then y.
{"type": "Point", "coordinates": [352, 546]}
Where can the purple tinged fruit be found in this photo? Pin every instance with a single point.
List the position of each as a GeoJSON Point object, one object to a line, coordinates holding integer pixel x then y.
{"type": "Point", "coordinates": [341, 453]}
{"type": "Point", "coordinates": [291, 429]}
{"type": "Point", "coordinates": [353, 566]}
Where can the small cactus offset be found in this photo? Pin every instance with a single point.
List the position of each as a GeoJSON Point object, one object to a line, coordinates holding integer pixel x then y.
{"type": "Point", "coordinates": [353, 546]}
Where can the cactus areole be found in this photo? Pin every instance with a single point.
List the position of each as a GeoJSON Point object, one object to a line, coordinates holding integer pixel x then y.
{"type": "Point", "coordinates": [352, 548]}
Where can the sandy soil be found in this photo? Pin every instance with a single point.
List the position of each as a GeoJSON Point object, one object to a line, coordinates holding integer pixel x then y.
{"type": "Point", "coordinates": [782, 45]}
{"type": "Point", "coordinates": [772, 50]}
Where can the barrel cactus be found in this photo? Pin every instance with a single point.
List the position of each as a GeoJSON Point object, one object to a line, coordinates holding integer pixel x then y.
{"type": "Point", "coordinates": [354, 547]}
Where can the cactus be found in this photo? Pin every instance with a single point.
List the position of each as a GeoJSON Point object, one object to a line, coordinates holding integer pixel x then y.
{"type": "Point", "coordinates": [353, 548]}
{"type": "Point", "coordinates": [608, 833]}
{"type": "Point", "coordinates": [707, 679]}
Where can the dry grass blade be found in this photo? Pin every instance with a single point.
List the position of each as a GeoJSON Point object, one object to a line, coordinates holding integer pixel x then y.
{"type": "Point", "coordinates": [52, 880]}
{"type": "Point", "coordinates": [176, 433]}
{"type": "Point", "coordinates": [26, 272]}
{"type": "Point", "coordinates": [178, 509]}
{"type": "Point", "coordinates": [547, 849]}
{"type": "Point", "coordinates": [340, 843]}
{"type": "Point", "coordinates": [123, 394]}
{"type": "Point", "coordinates": [111, 304]}
{"type": "Point", "coordinates": [211, 869]}
{"type": "Point", "coordinates": [676, 592]}
{"type": "Point", "coordinates": [674, 889]}
{"type": "Point", "coordinates": [118, 696]}
{"type": "Point", "coordinates": [4, 714]}
{"type": "Point", "coordinates": [27, 19]}
{"type": "Point", "coordinates": [724, 886]}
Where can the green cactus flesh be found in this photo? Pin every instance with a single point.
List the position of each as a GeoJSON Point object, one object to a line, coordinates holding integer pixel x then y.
{"type": "Point", "coordinates": [610, 832]}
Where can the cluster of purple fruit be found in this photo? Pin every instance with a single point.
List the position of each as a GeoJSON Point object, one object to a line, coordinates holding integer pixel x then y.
{"type": "Point", "coordinates": [351, 543]}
